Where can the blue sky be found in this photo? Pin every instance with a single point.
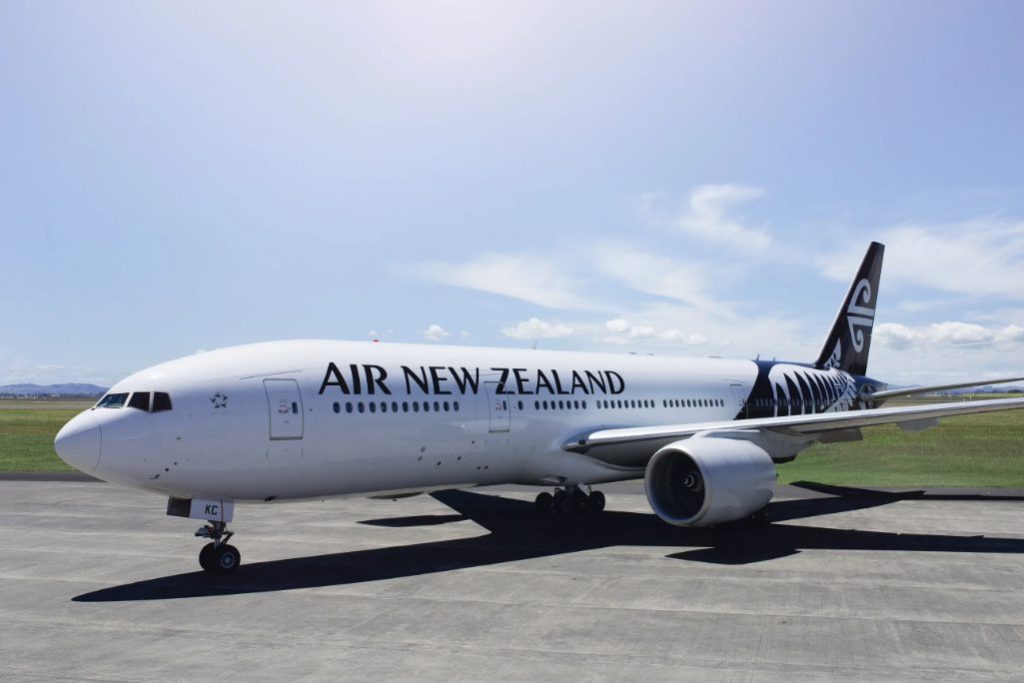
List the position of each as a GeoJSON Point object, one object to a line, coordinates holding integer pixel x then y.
{"type": "Point", "coordinates": [664, 177]}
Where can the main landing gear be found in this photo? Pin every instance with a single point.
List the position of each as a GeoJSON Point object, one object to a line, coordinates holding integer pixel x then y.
{"type": "Point", "coordinates": [569, 499]}
{"type": "Point", "coordinates": [218, 557]}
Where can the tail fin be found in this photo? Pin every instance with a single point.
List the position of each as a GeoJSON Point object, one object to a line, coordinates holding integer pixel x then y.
{"type": "Point", "coordinates": [849, 341]}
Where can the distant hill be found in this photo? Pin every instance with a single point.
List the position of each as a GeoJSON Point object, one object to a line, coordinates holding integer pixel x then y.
{"type": "Point", "coordinates": [50, 390]}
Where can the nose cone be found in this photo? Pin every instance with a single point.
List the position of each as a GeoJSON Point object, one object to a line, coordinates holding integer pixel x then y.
{"type": "Point", "coordinates": [78, 442]}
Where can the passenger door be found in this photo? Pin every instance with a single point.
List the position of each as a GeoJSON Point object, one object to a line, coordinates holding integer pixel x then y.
{"type": "Point", "coordinates": [499, 409]}
{"type": "Point", "coordinates": [285, 405]}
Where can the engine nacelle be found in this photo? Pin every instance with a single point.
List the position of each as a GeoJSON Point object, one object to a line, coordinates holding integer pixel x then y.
{"type": "Point", "coordinates": [709, 480]}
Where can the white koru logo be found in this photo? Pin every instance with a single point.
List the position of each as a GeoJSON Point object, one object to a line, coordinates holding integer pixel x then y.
{"type": "Point", "coordinates": [860, 315]}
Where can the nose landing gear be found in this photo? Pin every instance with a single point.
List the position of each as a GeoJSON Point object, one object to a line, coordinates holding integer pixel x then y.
{"type": "Point", "coordinates": [218, 557]}
{"type": "Point", "coordinates": [568, 500]}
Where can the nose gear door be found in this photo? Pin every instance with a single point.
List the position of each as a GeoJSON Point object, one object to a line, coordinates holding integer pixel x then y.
{"type": "Point", "coordinates": [285, 405]}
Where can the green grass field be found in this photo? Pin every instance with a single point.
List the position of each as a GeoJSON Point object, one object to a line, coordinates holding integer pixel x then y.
{"type": "Point", "coordinates": [973, 451]}
{"type": "Point", "coordinates": [984, 451]}
{"type": "Point", "coordinates": [27, 429]}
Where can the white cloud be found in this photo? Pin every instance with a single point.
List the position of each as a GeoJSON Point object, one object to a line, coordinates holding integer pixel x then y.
{"type": "Point", "coordinates": [534, 279]}
{"type": "Point", "coordinates": [436, 333]}
{"type": "Point", "coordinates": [625, 333]}
{"type": "Point", "coordinates": [653, 274]}
{"type": "Point", "coordinates": [535, 328]}
{"type": "Point", "coordinates": [979, 257]}
{"type": "Point", "coordinates": [642, 332]}
{"type": "Point", "coordinates": [692, 339]}
{"type": "Point", "coordinates": [947, 334]}
{"type": "Point", "coordinates": [708, 217]}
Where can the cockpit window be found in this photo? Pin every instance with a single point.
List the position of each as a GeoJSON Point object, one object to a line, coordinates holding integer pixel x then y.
{"type": "Point", "coordinates": [140, 400]}
{"type": "Point", "coordinates": [112, 401]}
{"type": "Point", "coordinates": [161, 401]}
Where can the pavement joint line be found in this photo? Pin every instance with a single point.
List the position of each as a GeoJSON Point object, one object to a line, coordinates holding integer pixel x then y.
{"type": "Point", "coordinates": [352, 642]}
{"type": "Point", "coordinates": [689, 665]}
{"type": "Point", "coordinates": [613, 608]}
{"type": "Point", "coordinates": [826, 581]}
{"type": "Point", "coordinates": [328, 589]}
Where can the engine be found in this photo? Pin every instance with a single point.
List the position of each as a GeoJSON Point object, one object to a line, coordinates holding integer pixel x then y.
{"type": "Point", "coordinates": [709, 480]}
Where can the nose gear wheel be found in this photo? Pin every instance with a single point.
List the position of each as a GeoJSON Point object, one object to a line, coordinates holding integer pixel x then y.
{"type": "Point", "coordinates": [218, 556]}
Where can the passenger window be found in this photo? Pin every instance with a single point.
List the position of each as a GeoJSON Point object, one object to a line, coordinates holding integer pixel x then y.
{"type": "Point", "coordinates": [112, 401]}
{"type": "Point", "coordinates": [455, 405]}
{"type": "Point", "coordinates": [373, 407]}
{"type": "Point", "coordinates": [337, 407]}
{"type": "Point", "coordinates": [415, 406]}
{"type": "Point", "coordinates": [348, 407]}
{"type": "Point", "coordinates": [295, 408]}
{"type": "Point", "coordinates": [140, 400]}
{"type": "Point", "coordinates": [383, 407]}
{"type": "Point", "coordinates": [161, 402]}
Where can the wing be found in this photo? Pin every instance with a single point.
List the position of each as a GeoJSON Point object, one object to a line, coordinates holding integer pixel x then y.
{"type": "Point", "coordinates": [880, 397]}
{"type": "Point", "coordinates": [806, 426]}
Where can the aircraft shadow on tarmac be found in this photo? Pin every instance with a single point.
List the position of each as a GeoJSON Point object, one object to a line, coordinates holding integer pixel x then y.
{"type": "Point", "coordinates": [516, 532]}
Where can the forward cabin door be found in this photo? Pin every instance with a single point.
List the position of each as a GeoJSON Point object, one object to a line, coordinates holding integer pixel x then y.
{"type": "Point", "coordinates": [285, 405]}
{"type": "Point", "coordinates": [499, 409]}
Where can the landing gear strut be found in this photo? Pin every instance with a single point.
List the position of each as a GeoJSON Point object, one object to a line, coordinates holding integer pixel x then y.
{"type": "Point", "coordinates": [569, 499]}
{"type": "Point", "coordinates": [218, 557]}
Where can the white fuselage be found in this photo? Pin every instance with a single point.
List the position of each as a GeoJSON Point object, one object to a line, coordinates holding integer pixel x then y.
{"type": "Point", "coordinates": [309, 419]}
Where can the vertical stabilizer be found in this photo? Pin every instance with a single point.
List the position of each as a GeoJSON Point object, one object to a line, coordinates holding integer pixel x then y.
{"type": "Point", "coordinates": [849, 341]}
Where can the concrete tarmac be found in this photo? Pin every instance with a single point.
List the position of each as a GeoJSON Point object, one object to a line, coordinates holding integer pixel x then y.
{"type": "Point", "coordinates": [96, 583]}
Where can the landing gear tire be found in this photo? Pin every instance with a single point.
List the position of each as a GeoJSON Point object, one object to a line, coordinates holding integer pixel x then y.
{"type": "Point", "coordinates": [544, 502]}
{"type": "Point", "coordinates": [218, 557]}
{"type": "Point", "coordinates": [206, 557]}
{"type": "Point", "coordinates": [595, 501]}
{"type": "Point", "coordinates": [563, 502]}
{"type": "Point", "coordinates": [579, 501]}
{"type": "Point", "coordinates": [762, 517]}
{"type": "Point", "coordinates": [225, 559]}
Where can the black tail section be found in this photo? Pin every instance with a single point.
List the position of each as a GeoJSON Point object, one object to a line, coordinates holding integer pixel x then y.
{"type": "Point", "coordinates": [849, 341]}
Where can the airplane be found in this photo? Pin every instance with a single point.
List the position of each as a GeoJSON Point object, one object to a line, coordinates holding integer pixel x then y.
{"type": "Point", "coordinates": [300, 420]}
